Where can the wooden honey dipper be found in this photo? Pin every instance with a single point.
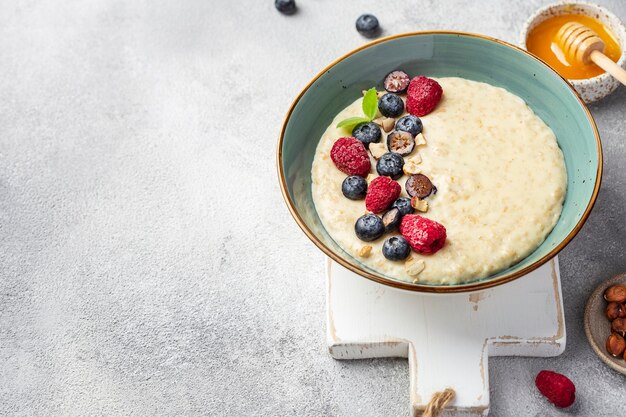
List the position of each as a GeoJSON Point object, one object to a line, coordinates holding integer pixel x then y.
{"type": "Point", "coordinates": [582, 45]}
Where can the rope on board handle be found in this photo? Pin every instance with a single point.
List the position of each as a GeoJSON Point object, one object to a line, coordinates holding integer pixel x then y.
{"type": "Point", "coordinates": [438, 402]}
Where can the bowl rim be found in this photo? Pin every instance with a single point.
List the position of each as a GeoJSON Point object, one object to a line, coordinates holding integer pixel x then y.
{"type": "Point", "coordinates": [599, 79]}
{"type": "Point", "coordinates": [425, 288]}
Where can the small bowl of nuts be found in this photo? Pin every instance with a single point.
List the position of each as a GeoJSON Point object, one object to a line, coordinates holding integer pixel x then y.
{"type": "Point", "coordinates": [605, 322]}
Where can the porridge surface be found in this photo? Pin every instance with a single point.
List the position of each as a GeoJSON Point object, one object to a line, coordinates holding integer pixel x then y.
{"type": "Point", "coordinates": [500, 176]}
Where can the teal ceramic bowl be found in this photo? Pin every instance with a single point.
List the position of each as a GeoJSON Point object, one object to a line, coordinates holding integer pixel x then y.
{"type": "Point", "coordinates": [442, 54]}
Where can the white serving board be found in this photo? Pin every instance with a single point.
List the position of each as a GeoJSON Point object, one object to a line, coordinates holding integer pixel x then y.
{"type": "Point", "coordinates": [447, 338]}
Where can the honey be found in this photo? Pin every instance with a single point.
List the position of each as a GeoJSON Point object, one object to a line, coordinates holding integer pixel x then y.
{"type": "Point", "coordinates": [541, 42]}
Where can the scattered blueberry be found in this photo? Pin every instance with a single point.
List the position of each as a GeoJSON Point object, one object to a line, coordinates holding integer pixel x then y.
{"type": "Point", "coordinates": [367, 133]}
{"type": "Point", "coordinates": [367, 25]}
{"type": "Point", "coordinates": [404, 205]}
{"type": "Point", "coordinates": [391, 105]}
{"type": "Point", "coordinates": [396, 248]}
{"type": "Point", "coordinates": [369, 227]}
{"type": "Point", "coordinates": [409, 123]}
{"type": "Point", "coordinates": [401, 142]}
{"type": "Point", "coordinates": [390, 165]}
{"type": "Point", "coordinates": [285, 6]}
{"type": "Point", "coordinates": [391, 220]}
{"type": "Point", "coordinates": [396, 81]}
{"type": "Point", "coordinates": [354, 187]}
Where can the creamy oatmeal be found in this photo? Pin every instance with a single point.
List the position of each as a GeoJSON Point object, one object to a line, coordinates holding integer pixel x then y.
{"type": "Point", "coordinates": [500, 179]}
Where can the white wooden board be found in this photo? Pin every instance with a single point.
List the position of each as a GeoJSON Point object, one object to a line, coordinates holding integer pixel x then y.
{"type": "Point", "coordinates": [447, 338]}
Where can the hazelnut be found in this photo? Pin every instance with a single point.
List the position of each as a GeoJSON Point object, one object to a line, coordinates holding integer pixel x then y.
{"type": "Point", "coordinates": [419, 204]}
{"type": "Point", "coordinates": [615, 311]}
{"type": "Point", "coordinates": [410, 167]}
{"type": "Point", "coordinates": [616, 293]}
{"type": "Point", "coordinates": [388, 124]}
{"type": "Point", "coordinates": [377, 150]}
{"type": "Point", "coordinates": [420, 139]}
{"type": "Point", "coordinates": [615, 345]}
{"type": "Point", "coordinates": [365, 251]}
{"type": "Point", "coordinates": [619, 326]}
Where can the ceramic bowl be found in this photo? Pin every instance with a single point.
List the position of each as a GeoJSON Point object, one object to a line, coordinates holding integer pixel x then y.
{"type": "Point", "coordinates": [442, 54]}
{"type": "Point", "coordinates": [595, 88]}
{"type": "Point", "coordinates": [598, 327]}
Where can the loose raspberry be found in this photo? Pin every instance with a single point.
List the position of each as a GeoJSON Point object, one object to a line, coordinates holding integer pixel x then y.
{"type": "Point", "coordinates": [381, 192]}
{"type": "Point", "coordinates": [424, 235]}
{"type": "Point", "coordinates": [423, 95]}
{"type": "Point", "coordinates": [350, 156]}
{"type": "Point", "coordinates": [557, 388]}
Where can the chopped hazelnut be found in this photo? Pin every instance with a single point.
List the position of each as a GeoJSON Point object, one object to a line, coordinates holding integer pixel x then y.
{"type": "Point", "coordinates": [377, 149]}
{"type": "Point", "coordinates": [411, 165]}
{"type": "Point", "coordinates": [419, 204]}
{"type": "Point", "coordinates": [365, 251]}
{"type": "Point", "coordinates": [420, 139]}
{"type": "Point", "coordinates": [388, 124]}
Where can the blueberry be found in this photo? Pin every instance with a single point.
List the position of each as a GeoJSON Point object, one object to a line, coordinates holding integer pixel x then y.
{"type": "Point", "coordinates": [285, 6]}
{"type": "Point", "coordinates": [419, 185]}
{"type": "Point", "coordinates": [367, 133]}
{"type": "Point", "coordinates": [409, 123]}
{"type": "Point", "coordinates": [396, 81]}
{"type": "Point", "coordinates": [354, 187]}
{"type": "Point", "coordinates": [396, 248]}
{"type": "Point", "coordinates": [391, 105]}
{"type": "Point", "coordinates": [390, 165]}
{"type": "Point", "coordinates": [391, 220]}
{"type": "Point", "coordinates": [404, 205]}
{"type": "Point", "coordinates": [369, 227]}
{"type": "Point", "coordinates": [400, 142]}
{"type": "Point", "coordinates": [367, 25]}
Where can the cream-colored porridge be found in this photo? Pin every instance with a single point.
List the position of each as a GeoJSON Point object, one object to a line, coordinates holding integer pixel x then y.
{"type": "Point", "coordinates": [499, 173]}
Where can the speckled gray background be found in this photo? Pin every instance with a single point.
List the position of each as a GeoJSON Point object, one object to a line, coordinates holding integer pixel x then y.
{"type": "Point", "coordinates": [148, 263]}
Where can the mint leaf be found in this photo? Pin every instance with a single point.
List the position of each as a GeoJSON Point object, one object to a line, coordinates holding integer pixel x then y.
{"type": "Point", "coordinates": [351, 122]}
{"type": "Point", "coordinates": [370, 103]}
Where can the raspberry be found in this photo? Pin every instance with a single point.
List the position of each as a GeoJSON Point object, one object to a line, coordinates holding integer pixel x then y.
{"type": "Point", "coordinates": [424, 235]}
{"type": "Point", "coordinates": [557, 388]}
{"type": "Point", "coordinates": [381, 192]}
{"type": "Point", "coordinates": [350, 156]}
{"type": "Point", "coordinates": [423, 96]}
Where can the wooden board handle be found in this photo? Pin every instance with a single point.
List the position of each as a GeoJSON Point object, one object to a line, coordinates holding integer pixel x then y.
{"type": "Point", "coordinates": [609, 66]}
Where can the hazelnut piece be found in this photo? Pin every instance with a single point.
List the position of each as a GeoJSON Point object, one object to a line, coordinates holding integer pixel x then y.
{"type": "Point", "coordinates": [615, 345]}
{"type": "Point", "coordinates": [388, 124]}
{"type": "Point", "coordinates": [615, 311]}
{"type": "Point", "coordinates": [616, 293]}
{"type": "Point", "coordinates": [619, 326]}
{"type": "Point", "coordinates": [377, 150]}
{"type": "Point", "coordinates": [419, 204]}
{"type": "Point", "coordinates": [365, 251]}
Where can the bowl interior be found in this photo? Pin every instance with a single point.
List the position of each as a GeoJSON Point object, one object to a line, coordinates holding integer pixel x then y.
{"type": "Point", "coordinates": [441, 55]}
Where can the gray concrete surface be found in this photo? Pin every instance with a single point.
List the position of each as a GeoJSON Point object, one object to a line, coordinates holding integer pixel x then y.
{"type": "Point", "coordinates": [148, 265]}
